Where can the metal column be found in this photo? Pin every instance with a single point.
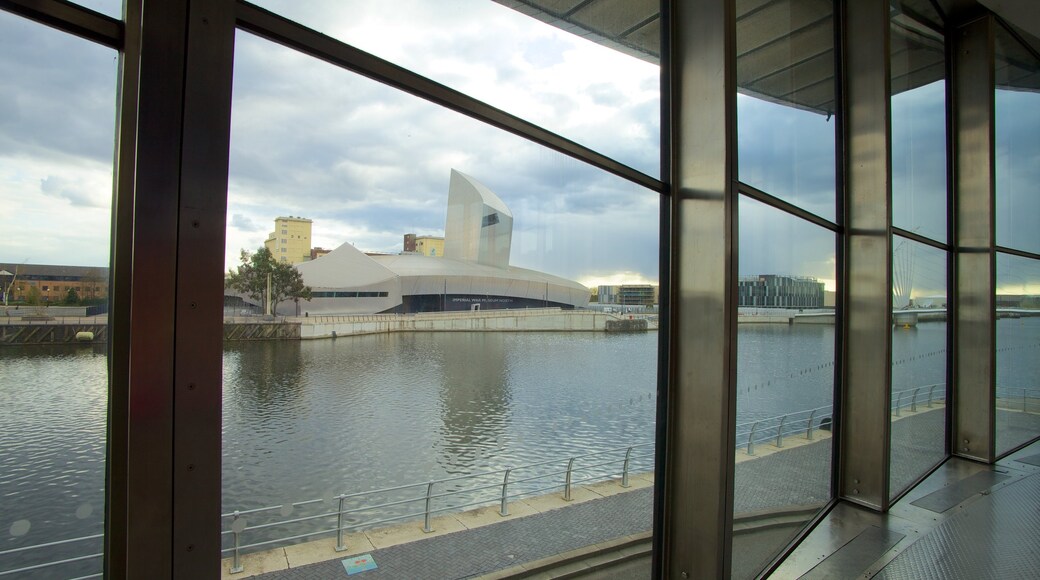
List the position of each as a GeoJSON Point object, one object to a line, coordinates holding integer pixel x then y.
{"type": "Point", "coordinates": [699, 435]}
{"type": "Point", "coordinates": [867, 324]}
{"type": "Point", "coordinates": [974, 343]}
{"type": "Point", "coordinates": [168, 270]}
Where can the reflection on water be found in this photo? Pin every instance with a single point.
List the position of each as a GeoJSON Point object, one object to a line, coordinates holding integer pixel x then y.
{"type": "Point", "coordinates": [307, 419]}
{"type": "Point", "coordinates": [361, 413]}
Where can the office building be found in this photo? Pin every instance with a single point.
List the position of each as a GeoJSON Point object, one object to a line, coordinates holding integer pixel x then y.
{"type": "Point", "coordinates": [290, 242]}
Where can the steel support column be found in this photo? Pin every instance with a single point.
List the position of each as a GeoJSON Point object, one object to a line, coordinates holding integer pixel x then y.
{"type": "Point", "coordinates": [867, 324]}
{"type": "Point", "coordinates": [699, 440]}
{"type": "Point", "coordinates": [974, 344]}
{"type": "Point", "coordinates": [168, 273]}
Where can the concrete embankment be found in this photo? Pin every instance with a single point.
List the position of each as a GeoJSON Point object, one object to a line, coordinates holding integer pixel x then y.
{"type": "Point", "coordinates": [532, 320]}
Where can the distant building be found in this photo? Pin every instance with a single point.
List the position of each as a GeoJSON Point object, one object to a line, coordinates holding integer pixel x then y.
{"type": "Point", "coordinates": [471, 270]}
{"type": "Point", "coordinates": [432, 246]}
{"type": "Point", "coordinates": [774, 291]}
{"type": "Point", "coordinates": [629, 294]}
{"type": "Point", "coordinates": [290, 242]}
{"type": "Point", "coordinates": [318, 252]}
{"type": "Point", "coordinates": [53, 282]}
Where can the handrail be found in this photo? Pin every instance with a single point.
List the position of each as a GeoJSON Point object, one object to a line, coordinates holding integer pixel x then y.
{"type": "Point", "coordinates": [502, 495]}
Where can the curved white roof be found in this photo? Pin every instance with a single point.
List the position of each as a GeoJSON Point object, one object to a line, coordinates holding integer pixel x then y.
{"type": "Point", "coordinates": [344, 267]}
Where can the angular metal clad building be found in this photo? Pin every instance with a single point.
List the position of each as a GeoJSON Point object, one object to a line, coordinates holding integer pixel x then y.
{"type": "Point", "coordinates": [474, 273]}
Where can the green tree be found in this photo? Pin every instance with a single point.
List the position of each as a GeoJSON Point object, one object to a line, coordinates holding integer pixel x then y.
{"type": "Point", "coordinates": [251, 279]}
{"type": "Point", "coordinates": [71, 297]}
{"type": "Point", "coordinates": [33, 296]}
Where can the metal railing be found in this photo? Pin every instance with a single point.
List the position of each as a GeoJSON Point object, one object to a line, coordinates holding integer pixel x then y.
{"type": "Point", "coordinates": [36, 568]}
{"type": "Point", "coordinates": [1018, 399]}
{"type": "Point", "coordinates": [927, 394]}
{"type": "Point", "coordinates": [776, 428]}
{"type": "Point", "coordinates": [422, 501]}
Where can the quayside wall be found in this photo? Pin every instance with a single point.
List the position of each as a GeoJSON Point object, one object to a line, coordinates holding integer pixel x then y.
{"type": "Point", "coordinates": [50, 332]}
{"type": "Point", "coordinates": [534, 320]}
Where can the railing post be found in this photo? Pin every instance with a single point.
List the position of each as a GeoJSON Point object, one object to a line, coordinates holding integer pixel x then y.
{"type": "Point", "coordinates": [780, 432]}
{"type": "Point", "coordinates": [567, 486]}
{"type": "Point", "coordinates": [913, 401]}
{"type": "Point", "coordinates": [808, 430]}
{"type": "Point", "coordinates": [426, 520]}
{"type": "Point", "coordinates": [238, 525]}
{"type": "Point", "coordinates": [899, 403]}
{"type": "Point", "coordinates": [340, 547]}
{"type": "Point", "coordinates": [504, 510]}
{"type": "Point", "coordinates": [1023, 399]}
{"type": "Point", "coordinates": [624, 471]}
{"type": "Point", "coordinates": [930, 389]}
{"type": "Point", "coordinates": [751, 439]}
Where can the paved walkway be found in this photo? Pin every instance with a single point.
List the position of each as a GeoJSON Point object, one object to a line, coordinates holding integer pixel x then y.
{"type": "Point", "coordinates": [483, 550]}
{"type": "Point", "coordinates": [797, 475]}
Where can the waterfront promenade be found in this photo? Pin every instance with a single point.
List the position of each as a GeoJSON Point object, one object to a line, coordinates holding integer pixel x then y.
{"type": "Point", "coordinates": [606, 518]}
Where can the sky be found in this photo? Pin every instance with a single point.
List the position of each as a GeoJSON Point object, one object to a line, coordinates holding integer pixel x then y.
{"type": "Point", "coordinates": [369, 164]}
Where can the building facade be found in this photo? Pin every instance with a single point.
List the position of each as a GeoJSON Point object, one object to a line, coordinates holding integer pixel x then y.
{"type": "Point", "coordinates": [432, 246]}
{"type": "Point", "coordinates": [49, 284]}
{"type": "Point", "coordinates": [773, 291]}
{"type": "Point", "coordinates": [290, 242]}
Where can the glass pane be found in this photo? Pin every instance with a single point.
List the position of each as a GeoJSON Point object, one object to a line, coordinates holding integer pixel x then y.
{"type": "Point", "coordinates": [918, 126]}
{"type": "Point", "coordinates": [785, 124]}
{"type": "Point", "coordinates": [1018, 351]}
{"type": "Point", "coordinates": [113, 8]}
{"type": "Point", "coordinates": [453, 337]}
{"type": "Point", "coordinates": [56, 194]}
{"type": "Point", "coordinates": [918, 361]}
{"type": "Point", "coordinates": [1017, 144]}
{"type": "Point", "coordinates": [590, 74]}
{"type": "Point", "coordinates": [785, 381]}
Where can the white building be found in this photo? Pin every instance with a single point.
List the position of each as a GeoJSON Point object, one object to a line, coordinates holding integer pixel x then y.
{"type": "Point", "coordinates": [474, 273]}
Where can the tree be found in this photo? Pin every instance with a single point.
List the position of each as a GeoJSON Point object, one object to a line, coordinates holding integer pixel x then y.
{"type": "Point", "coordinates": [33, 296]}
{"type": "Point", "coordinates": [71, 297]}
{"type": "Point", "coordinates": [251, 279]}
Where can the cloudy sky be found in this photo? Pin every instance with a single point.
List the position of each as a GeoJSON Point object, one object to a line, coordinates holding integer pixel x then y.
{"type": "Point", "coordinates": [368, 164]}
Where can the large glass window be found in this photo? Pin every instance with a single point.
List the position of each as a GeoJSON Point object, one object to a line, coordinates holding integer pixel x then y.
{"type": "Point", "coordinates": [785, 105]}
{"type": "Point", "coordinates": [785, 381]}
{"type": "Point", "coordinates": [1018, 351]}
{"type": "Point", "coordinates": [427, 386]}
{"type": "Point", "coordinates": [919, 358]}
{"type": "Point", "coordinates": [56, 194]}
{"type": "Point", "coordinates": [1017, 144]}
{"type": "Point", "coordinates": [587, 73]}
{"type": "Point", "coordinates": [918, 125]}
{"type": "Point", "coordinates": [786, 317]}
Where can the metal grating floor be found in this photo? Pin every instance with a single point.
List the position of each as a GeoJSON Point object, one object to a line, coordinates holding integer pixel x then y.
{"type": "Point", "coordinates": [997, 536]}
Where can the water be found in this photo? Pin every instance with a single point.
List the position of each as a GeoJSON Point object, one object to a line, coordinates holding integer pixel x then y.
{"type": "Point", "coordinates": [303, 420]}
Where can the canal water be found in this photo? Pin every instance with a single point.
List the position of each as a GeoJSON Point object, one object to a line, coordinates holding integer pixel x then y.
{"type": "Point", "coordinates": [307, 419]}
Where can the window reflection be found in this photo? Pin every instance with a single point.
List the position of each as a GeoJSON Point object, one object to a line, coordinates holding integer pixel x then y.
{"type": "Point", "coordinates": [785, 382]}
{"type": "Point", "coordinates": [451, 330]}
{"type": "Point", "coordinates": [785, 125]}
{"type": "Point", "coordinates": [919, 357]}
{"type": "Point", "coordinates": [918, 125]}
{"type": "Point", "coordinates": [1017, 144]}
{"type": "Point", "coordinates": [56, 195]}
{"type": "Point", "coordinates": [590, 75]}
{"type": "Point", "coordinates": [1018, 351]}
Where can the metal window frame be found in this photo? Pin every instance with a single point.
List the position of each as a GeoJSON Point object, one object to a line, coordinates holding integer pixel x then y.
{"type": "Point", "coordinates": [865, 447]}
{"type": "Point", "coordinates": [973, 430]}
{"type": "Point", "coordinates": [695, 499]}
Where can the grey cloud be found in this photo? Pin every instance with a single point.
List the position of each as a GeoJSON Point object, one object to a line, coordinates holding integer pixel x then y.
{"type": "Point", "coordinates": [74, 193]}
{"type": "Point", "coordinates": [58, 92]}
{"type": "Point", "coordinates": [245, 224]}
